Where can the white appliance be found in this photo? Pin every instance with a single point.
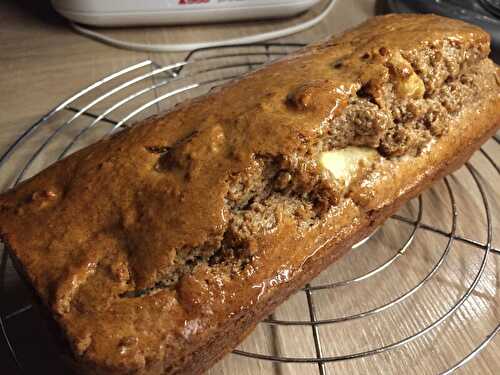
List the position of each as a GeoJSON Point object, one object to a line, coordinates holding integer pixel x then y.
{"type": "Point", "coordinates": [169, 12]}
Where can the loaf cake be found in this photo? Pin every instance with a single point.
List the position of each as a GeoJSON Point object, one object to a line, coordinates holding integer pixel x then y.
{"type": "Point", "coordinates": [159, 249]}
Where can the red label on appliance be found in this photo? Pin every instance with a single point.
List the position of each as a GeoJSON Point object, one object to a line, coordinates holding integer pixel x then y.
{"type": "Point", "coordinates": [186, 2]}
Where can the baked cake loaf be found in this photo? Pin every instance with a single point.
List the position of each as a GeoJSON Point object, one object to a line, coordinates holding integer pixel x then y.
{"type": "Point", "coordinates": [159, 249]}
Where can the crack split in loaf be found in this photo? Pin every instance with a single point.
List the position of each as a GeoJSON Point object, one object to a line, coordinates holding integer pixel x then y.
{"type": "Point", "coordinates": [159, 249]}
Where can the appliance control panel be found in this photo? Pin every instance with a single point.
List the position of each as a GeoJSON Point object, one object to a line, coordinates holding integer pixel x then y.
{"type": "Point", "coordinates": [170, 12]}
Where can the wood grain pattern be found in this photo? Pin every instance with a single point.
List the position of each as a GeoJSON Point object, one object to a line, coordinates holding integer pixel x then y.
{"type": "Point", "coordinates": [42, 62]}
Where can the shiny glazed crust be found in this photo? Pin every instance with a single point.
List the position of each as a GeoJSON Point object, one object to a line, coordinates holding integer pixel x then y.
{"type": "Point", "coordinates": [158, 250]}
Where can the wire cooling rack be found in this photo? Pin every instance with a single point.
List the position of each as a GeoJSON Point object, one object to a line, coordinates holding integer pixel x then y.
{"type": "Point", "coordinates": [394, 252]}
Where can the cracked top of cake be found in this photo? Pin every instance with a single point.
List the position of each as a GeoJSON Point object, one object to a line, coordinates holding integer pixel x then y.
{"type": "Point", "coordinates": [159, 225]}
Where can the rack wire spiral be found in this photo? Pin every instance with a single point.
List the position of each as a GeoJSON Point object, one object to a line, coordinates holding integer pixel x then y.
{"type": "Point", "coordinates": [145, 88]}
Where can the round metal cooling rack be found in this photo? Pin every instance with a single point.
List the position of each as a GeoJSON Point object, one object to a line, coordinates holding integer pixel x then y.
{"type": "Point", "coordinates": [145, 88]}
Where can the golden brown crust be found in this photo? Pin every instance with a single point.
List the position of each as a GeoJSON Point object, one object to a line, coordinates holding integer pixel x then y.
{"type": "Point", "coordinates": [228, 338]}
{"type": "Point", "coordinates": [111, 238]}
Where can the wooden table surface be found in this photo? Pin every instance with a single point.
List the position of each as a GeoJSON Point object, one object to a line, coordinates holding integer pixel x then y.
{"type": "Point", "coordinates": [43, 62]}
